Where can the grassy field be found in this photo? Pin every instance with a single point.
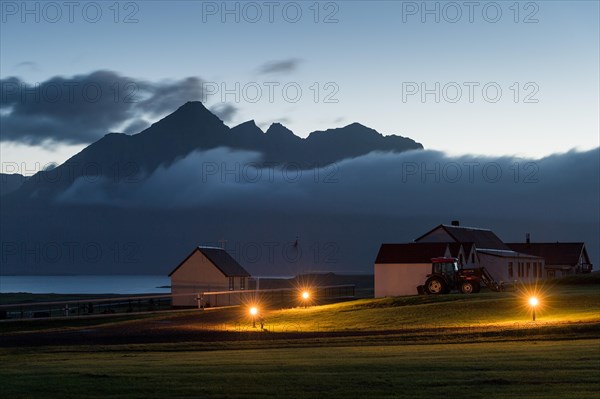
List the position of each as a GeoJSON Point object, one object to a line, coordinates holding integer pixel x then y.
{"type": "Point", "coordinates": [545, 369]}
{"type": "Point", "coordinates": [477, 346]}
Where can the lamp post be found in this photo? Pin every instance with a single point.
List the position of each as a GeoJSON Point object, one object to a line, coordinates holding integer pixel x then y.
{"type": "Point", "coordinates": [533, 301]}
{"type": "Point", "coordinates": [305, 297]}
{"type": "Point", "coordinates": [253, 313]}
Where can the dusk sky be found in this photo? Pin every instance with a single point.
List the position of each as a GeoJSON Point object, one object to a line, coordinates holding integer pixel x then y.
{"type": "Point", "coordinates": [369, 61]}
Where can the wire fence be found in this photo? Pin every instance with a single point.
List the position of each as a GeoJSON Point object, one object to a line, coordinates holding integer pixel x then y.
{"type": "Point", "coordinates": [282, 297]}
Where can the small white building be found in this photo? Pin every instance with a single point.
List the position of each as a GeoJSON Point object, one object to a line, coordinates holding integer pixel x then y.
{"type": "Point", "coordinates": [206, 269]}
{"type": "Point", "coordinates": [510, 266]}
{"type": "Point", "coordinates": [400, 268]}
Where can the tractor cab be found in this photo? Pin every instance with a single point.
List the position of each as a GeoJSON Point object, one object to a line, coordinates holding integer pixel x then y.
{"type": "Point", "coordinates": [447, 267]}
{"type": "Point", "coordinates": [444, 276]}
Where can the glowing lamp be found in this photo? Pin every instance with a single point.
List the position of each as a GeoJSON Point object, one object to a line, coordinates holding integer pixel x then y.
{"type": "Point", "coordinates": [533, 301]}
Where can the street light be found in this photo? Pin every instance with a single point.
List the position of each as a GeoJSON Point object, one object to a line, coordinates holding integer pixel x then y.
{"type": "Point", "coordinates": [305, 297]}
{"type": "Point", "coordinates": [253, 313]}
{"type": "Point", "coordinates": [533, 302]}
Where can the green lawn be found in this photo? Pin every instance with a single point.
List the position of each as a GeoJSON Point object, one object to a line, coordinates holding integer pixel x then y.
{"type": "Point", "coordinates": [566, 304]}
{"type": "Point", "coordinates": [544, 369]}
{"type": "Point", "coordinates": [455, 346]}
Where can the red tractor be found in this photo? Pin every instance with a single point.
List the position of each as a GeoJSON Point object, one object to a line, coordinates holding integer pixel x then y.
{"type": "Point", "coordinates": [446, 276]}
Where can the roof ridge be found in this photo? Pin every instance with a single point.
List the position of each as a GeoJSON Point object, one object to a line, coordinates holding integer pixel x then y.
{"type": "Point", "coordinates": [466, 227]}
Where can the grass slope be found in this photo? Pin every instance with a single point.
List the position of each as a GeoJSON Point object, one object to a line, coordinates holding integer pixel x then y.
{"type": "Point", "coordinates": [556, 357]}
{"type": "Point", "coordinates": [485, 370]}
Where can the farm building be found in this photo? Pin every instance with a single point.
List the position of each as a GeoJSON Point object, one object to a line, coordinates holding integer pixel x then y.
{"type": "Point", "coordinates": [400, 268]}
{"type": "Point", "coordinates": [562, 258]}
{"type": "Point", "coordinates": [206, 269]}
{"type": "Point", "coordinates": [489, 251]}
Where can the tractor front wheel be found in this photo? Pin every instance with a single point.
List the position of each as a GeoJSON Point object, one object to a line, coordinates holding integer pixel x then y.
{"type": "Point", "coordinates": [467, 287]}
{"type": "Point", "coordinates": [436, 285]}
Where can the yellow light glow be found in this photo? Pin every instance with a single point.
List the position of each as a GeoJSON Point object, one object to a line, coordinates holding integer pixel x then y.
{"type": "Point", "coordinates": [305, 295]}
{"type": "Point", "coordinates": [253, 311]}
{"type": "Point", "coordinates": [533, 301]}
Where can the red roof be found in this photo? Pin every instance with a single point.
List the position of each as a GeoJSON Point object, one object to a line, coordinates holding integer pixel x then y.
{"type": "Point", "coordinates": [411, 252]}
{"type": "Point", "coordinates": [482, 238]}
{"type": "Point", "coordinates": [554, 253]}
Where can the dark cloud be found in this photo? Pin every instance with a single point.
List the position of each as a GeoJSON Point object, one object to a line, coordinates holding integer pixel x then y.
{"type": "Point", "coordinates": [83, 108]}
{"type": "Point", "coordinates": [283, 66]}
{"type": "Point", "coordinates": [225, 112]}
{"type": "Point", "coordinates": [414, 182]}
{"type": "Point", "coordinates": [169, 95]}
{"type": "Point", "coordinates": [554, 198]}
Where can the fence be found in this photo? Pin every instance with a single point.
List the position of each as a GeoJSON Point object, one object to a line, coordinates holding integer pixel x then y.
{"type": "Point", "coordinates": [281, 297]}
{"type": "Point", "coordinates": [86, 307]}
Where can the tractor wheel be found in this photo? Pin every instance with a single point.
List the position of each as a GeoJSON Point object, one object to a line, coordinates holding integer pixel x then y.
{"type": "Point", "coordinates": [467, 287]}
{"type": "Point", "coordinates": [436, 285]}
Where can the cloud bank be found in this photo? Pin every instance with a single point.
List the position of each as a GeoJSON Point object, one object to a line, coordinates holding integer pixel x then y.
{"type": "Point", "coordinates": [564, 186]}
{"type": "Point", "coordinates": [83, 108]}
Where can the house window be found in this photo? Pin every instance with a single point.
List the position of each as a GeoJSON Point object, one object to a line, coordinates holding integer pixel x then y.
{"type": "Point", "coordinates": [510, 269]}
{"type": "Point", "coordinates": [242, 283]}
{"type": "Point", "coordinates": [535, 269]}
{"type": "Point", "coordinates": [527, 270]}
{"type": "Point", "coordinates": [230, 283]}
{"type": "Point", "coordinates": [519, 270]}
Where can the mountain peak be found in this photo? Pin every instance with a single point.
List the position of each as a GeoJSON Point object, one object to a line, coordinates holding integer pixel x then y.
{"type": "Point", "coordinates": [192, 105]}
{"type": "Point", "coordinates": [193, 110]}
{"type": "Point", "coordinates": [189, 119]}
{"type": "Point", "coordinates": [247, 127]}
{"type": "Point", "coordinates": [248, 124]}
{"type": "Point", "coordinates": [277, 129]}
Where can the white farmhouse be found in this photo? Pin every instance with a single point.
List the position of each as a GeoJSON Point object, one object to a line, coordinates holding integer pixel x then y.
{"type": "Point", "coordinates": [206, 269]}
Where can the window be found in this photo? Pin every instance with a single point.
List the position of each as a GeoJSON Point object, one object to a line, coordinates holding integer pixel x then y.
{"type": "Point", "coordinates": [527, 270]}
{"type": "Point", "coordinates": [242, 283]}
{"type": "Point", "coordinates": [535, 269]}
{"type": "Point", "coordinates": [510, 269]}
{"type": "Point", "coordinates": [521, 272]}
{"type": "Point", "coordinates": [230, 283]}
{"type": "Point", "coordinates": [447, 268]}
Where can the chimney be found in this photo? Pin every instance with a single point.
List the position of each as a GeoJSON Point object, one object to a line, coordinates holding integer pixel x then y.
{"type": "Point", "coordinates": [455, 223]}
{"type": "Point", "coordinates": [527, 238]}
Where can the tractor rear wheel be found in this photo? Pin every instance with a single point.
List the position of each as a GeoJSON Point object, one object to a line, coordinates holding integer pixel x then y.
{"type": "Point", "coordinates": [435, 286]}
